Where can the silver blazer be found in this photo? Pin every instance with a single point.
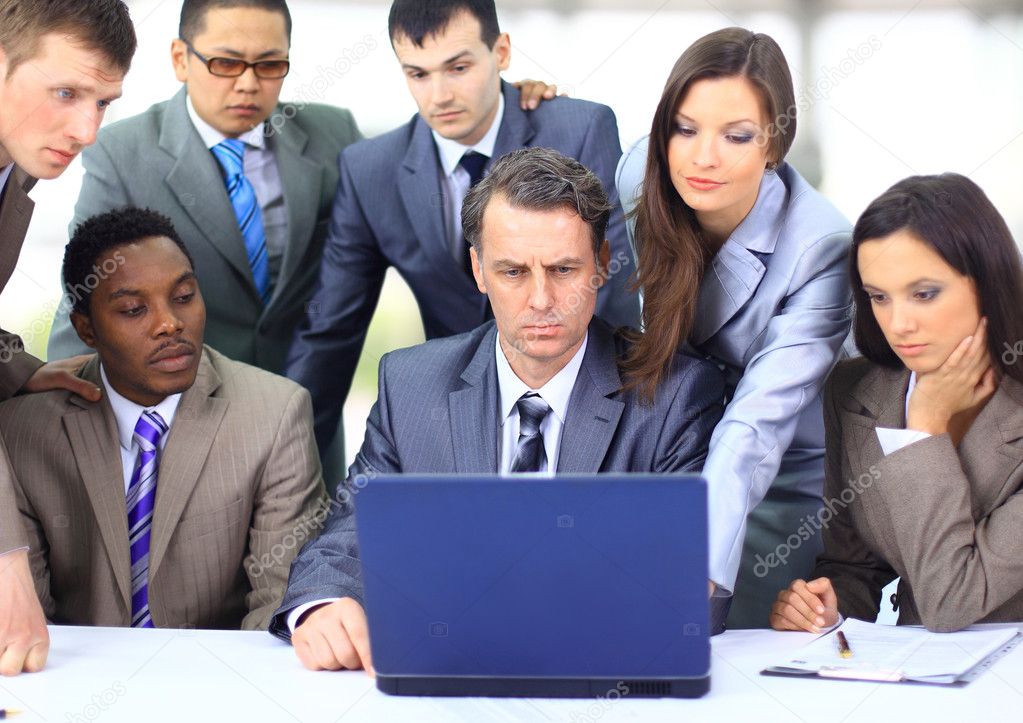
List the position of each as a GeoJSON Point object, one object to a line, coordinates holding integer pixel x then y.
{"type": "Point", "coordinates": [773, 311]}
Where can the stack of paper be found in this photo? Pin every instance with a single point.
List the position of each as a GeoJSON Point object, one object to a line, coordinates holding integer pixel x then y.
{"type": "Point", "coordinates": [889, 653]}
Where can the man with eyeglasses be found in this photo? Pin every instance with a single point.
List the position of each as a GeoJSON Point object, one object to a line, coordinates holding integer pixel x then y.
{"type": "Point", "coordinates": [220, 150]}
{"type": "Point", "coordinates": [247, 181]}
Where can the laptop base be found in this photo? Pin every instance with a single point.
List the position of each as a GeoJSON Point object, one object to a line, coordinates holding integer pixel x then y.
{"type": "Point", "coordinates": [607, 688]}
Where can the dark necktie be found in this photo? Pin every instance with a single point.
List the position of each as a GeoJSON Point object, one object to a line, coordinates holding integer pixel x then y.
{"type": "Point", "coordinates": [474, 164]}
{"type": "Point", "coordinates": [530, 455]}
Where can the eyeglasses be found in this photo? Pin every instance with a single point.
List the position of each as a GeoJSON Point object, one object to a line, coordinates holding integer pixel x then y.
{"type": "Point", "coordinates": [233, 67]}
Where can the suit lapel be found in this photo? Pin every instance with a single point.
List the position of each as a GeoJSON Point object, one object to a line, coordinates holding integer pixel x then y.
{"type": "Point", "coordinates": [196, 181]}
{"type": "Point", "coordinates": [92, 432]}
{"type": "Point", "coordinates": [419, 182]}
{"type": "Point", "coordinates": [992, 450]}
{"type": "Point", "coordinates": [195, 427]}
{"type": "Point", "coordinates": [516, 129]}
{"type": "Point", "coordinates": [15, 214]}
{"type": "Point", "coordinates": [727, 285]}
{"type": "Point", "coordinates": [736, 270]}
{"type": "Point", "coordinates": [473, 411]}
{"type": "Point", "coordinates": [302, 182]}
{"type": "Point", "coordinates": [592, 417]}
{"type": "Point", "coordinates": [879, 400]}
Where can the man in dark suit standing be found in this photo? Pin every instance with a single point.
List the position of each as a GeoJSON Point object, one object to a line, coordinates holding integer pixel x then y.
{"type": "Point", "coordinates": [399, 194]}
{"type": "Point", "coordinates": [536, 390]}
{"type": "Point", "coordinates": [61, 64]}
{"type": "Point", "coordinates": [247, 181]}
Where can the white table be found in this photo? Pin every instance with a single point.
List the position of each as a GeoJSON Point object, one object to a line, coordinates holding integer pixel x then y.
{"type": "Point", "coordinates": [147, 676]}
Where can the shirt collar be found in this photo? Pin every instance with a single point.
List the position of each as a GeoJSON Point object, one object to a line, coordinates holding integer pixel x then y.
{"type": "Point", "coordinates": [451, 152]}
{"type": "Point", "coordinates": [5, 173]}
{"type": "Point", "coordinates": [127, 412]}
{"type": "Point", "coordinates": [212, 137]}
{"type": "Point", "coordinates": [555, 392]}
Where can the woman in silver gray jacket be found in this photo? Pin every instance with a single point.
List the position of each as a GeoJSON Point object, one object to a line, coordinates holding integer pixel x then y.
{"type": "Point", "coordinates": [741, 258]}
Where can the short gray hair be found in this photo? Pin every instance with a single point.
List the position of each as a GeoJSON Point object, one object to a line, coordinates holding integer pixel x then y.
{"type": "Point", "coordinates": [538, 179]}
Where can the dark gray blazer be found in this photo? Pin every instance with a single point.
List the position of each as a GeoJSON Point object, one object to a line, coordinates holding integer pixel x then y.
{"type": "Point", "coordinates": [437, 412]}
{"type": "Point", "coordinates": [16, 365]}
{"type": "Point", "coordinates": [389, 211]}
{"type": "Point", "coordinates": [944, 519]}
{"type": "Point", "coordinates": [158, 160]}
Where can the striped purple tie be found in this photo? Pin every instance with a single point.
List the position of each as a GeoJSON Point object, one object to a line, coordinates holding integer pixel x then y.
{"type": "Point", "coordinates": [141, 499]}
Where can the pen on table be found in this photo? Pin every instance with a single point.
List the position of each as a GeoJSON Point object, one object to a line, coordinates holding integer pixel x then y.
{"type": "Point", "coordinates": [8, 713]}
{"type": "Point", "coordinates": [843, 645]}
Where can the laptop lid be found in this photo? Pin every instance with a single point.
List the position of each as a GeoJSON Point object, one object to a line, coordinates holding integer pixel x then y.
{"type": "Point", "coordinates": [592, 577]}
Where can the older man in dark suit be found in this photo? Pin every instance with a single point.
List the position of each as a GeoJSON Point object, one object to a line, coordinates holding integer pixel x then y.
{"type": "Point", "coordinates": [536, 390]}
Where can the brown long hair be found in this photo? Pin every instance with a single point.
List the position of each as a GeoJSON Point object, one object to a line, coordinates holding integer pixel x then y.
{"type": "Point", "coordinates": [672, 252]}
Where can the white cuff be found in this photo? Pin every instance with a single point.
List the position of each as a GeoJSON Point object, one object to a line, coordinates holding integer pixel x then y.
{"type": "Point", "coordinates": [16, 549]}
{"type": "Point", "coordinates": [892, 440]}
{"type": "Point", "coordinates": [295, 614]}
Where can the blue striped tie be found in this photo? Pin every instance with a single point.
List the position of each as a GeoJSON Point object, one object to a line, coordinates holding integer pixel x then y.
{"type": "Point", "coordinates": [141, 498]}
{"type": "Point", "coordinates": [231, 153]}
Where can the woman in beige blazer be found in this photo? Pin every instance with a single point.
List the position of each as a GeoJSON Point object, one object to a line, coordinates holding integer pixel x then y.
{"type": "Point", "coordinates": [924, 434]}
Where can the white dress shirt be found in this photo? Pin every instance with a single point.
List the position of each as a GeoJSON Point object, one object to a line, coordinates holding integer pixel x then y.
{"type": "Point", "coordinates": [127, 413]}
{"type": "Point", "coordinates": [260, 166]}
{"type": "Point", "coordinates": [555, 392]}
{"type": "Point", "coordinates": [892, 440]}
{"type": "Point", "coordinates": [455, 180]}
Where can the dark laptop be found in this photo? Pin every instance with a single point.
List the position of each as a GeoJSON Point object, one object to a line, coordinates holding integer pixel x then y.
{"type": "Point", "coordinates": [578, 586]}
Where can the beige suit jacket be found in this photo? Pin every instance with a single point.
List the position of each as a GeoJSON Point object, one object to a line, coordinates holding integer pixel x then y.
{"type": "Point", "coordinates": [238, 491]}
{"type": "Point", "coordinates": [946, 520]}
{"type": "Point", "coordinates": [16, 366]}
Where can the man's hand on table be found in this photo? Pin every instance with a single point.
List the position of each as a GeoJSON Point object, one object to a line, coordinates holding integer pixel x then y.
{"type": "Point", "coordinates": [334, 636]}
{"type": "Point", "coordinates": [24, 639]}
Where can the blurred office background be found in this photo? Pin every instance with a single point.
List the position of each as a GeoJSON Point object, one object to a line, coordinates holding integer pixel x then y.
{"type": "Point", "coordinates": [889, 87]}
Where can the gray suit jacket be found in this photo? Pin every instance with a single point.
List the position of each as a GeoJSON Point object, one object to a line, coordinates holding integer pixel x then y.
{"type": "Point", "coordinates": [238, 478]}
{"type": "Point", "coordinates": [16, 365]}
{"type": "Point", "coordinates": [774, 309]}
{"type": "Point", "coordinates": [158, 160]}
{"type": "Point", "coordinates": [945, 520]}
{"type": "Point", "coordinates": [437, 412]}
{"type": "Point", "coordinates": [389, 211]}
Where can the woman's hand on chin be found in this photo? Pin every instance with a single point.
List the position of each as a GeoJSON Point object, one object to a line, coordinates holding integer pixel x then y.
{"type": "Point", "coordinates": [962, 382]}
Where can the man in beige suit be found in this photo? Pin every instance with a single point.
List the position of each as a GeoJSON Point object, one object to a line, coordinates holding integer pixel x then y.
{"type": "Point", "coordinates": [61, 64]}
{"type": "Point", "coordinates": [181, 497]}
